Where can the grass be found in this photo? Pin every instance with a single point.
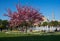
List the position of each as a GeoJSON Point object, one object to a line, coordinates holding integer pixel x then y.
{"type": "Point", "coordinates": [41, 36]}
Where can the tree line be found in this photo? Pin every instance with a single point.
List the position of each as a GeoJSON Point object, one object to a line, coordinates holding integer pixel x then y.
{"type": "Point", "coordinates": [4, 24]}
{"type": "Point", "coordinates": [51, 23]}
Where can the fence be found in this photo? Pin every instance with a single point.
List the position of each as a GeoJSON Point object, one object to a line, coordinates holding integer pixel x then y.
{"type": "Point", "coordinates": [44, 28]}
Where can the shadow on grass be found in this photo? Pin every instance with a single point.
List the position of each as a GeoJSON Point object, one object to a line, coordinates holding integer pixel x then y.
{"type": "Point", "coordinates": [32, 38]}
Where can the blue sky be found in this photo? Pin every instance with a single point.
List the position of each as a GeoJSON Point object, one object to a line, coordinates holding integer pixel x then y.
{"type": "Point", "coordinates": [46, 7]}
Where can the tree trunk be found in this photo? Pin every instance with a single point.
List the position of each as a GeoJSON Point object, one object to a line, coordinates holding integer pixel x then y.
{"type": "Point", "coordinates": [26, 29]}
{"type": "Point", "coordinates": [11, 28]}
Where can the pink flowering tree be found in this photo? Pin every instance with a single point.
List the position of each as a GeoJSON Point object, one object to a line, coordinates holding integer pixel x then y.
{"type": "Point", "coordinates": [24, 14]}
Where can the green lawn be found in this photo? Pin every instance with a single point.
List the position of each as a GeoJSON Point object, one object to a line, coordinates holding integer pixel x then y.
{"type": "Point", "coordinates": [41, 36]}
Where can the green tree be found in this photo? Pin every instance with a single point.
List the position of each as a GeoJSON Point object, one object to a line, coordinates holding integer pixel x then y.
{"type": "Point", "coordinates": [1, 27]}
{"type": "Point", "coordinates": [53, 23]}
{"type": "Point", "coordinates": [58, 23]}
{"type": "Point", "coordinates": [45, 24]}
{"type": "Point", "coordinates": [3, 24]}
{"type": "Point", "coordinates": [0, 21]}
